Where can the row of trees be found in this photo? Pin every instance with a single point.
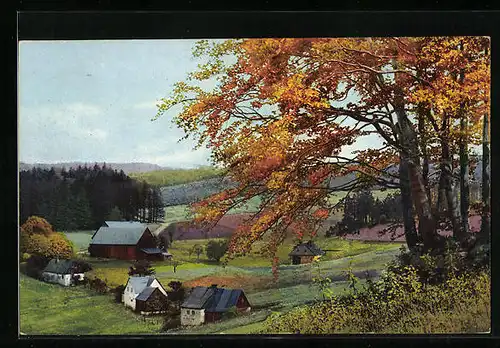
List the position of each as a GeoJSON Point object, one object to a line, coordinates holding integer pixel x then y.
{"type": "Point", "coordinates": [362, 209]}
{"type": "Point", "coordinates": [281, 113]}
{"type": "Point", "coordinates": [83, 197]}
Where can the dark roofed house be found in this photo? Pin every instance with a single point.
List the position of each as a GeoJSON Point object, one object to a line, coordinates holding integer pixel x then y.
{"type": "Point", "coordinates": [305, 253]}
{"type": "Point", "coordinates": [64, 272]}
{"type": "Point", "coordinates": [207, 304]}
{"type": "Point", "coordinates": [125, 240]}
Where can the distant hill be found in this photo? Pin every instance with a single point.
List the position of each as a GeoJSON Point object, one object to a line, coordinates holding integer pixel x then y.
{"type": "Point", "coordinates": [171, 177]}
{"type": "Point", "coordinates": [194, 191]}
{"type": "Point", "coordinates": [128, 168]}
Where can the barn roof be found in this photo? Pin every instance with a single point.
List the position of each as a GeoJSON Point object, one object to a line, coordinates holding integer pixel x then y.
{"type": "Point", "coordinates": [151, 251]}
{"type": "Point", "coordinates": [119, 235]}
{"type": "Point", "coordinates": [212, 299]}
{"type": "Point", "coordinates": [59, 266]}
{"type": "Point", "coordinates": [123, 224]}
{"type": "Point", "coordinates": [306, 249]}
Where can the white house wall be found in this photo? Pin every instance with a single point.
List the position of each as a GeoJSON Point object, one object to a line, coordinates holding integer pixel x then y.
{"type": "Point", "coordinates": [192, 317]}
{"type": "Point", "coordinates": [156, 284]}
{"type": "Point", "coordinates": [63, 279]}
{"type": "Point", "coordinates": [129, 298]}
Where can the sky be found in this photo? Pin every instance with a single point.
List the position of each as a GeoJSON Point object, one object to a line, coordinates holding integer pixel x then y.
{"type": "Point", "coordinates": [92, 101]}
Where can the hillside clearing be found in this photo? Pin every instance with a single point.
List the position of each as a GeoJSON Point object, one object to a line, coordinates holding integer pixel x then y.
{"type": "Point", "coordinates": [52, 309]}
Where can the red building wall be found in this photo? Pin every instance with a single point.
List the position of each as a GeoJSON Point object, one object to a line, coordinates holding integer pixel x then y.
{"type": "Point", "coordinates": [125, 252]}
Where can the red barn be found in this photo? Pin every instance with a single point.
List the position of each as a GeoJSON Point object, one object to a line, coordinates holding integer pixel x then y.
{"type": "Point", "coordinates": [124, 240]}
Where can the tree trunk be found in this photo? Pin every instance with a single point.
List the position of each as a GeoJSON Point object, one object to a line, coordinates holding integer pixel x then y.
{"type": "Point", "coordinates": [426, 223]}
{"type": "Point", "coordinates": [485, 218]}
{"type": "Point", "coordinates": [423, 148]}
{"type": "Point", "coordinates": [464, 177]}
{"type": "Point", "coordinates": [408, 221]}
{"type": "Point", "coordinates": [449, 188]}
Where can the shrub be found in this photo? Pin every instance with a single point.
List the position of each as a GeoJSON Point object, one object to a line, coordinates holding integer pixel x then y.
{"type": "Point", "coordinates": [35, 265]}
{"type": "Point", "coordinates": [98, 285]}
{"type": "Point", "coordinates": [24, 257]}
{"type": "Point", "coordinates": [36, 225]}
{"type": "Point", "coordinates": [417, 293]}
{"type": "Point", "coordinates": [141, 268]}
{"type": "Point", "coordinates": [60, 246]}
{"type": "Point", "coordinates": [38, 238]}
{"type": "Point", "coordinates": [118, 292]}
{"type": "Point", "coordinates": [398, 303]}
{"type": "Point", "coordinates": [216, 249]}
{"type": "Point", "coordinates": [437, 268]}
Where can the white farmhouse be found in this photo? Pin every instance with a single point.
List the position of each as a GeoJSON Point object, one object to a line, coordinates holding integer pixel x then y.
{"type": "Point", "coordinates": [139, 289]}
{"type": "Point", "coordinates": [64, 272]}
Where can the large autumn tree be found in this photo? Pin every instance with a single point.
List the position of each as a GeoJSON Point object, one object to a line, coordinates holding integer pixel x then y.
{"type": "Point", "coordinates": [282, 110]}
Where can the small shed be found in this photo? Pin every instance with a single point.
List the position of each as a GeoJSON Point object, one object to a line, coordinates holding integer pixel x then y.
{"type": "Point", "coordinates": [64, 272]}
{"type": "Point", "coordinates": [305, 253]}
{"type": "Point", "coordinates": [145, 295]}
{"type": "Point", "coordinates": [207, 304]}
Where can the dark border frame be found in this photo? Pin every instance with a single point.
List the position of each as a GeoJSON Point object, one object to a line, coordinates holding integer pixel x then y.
{"type": "Point", "coordinates": [85, 25]}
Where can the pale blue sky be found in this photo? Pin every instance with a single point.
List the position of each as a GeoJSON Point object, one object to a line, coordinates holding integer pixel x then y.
{"type": "Point", "coordinates": [94, 100]}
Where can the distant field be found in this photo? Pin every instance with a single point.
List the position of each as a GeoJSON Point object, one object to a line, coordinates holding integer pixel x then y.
{"type": "Point", "coordinates": [81, 239]}
{"type": "Point", "coordinates": [169, 177]}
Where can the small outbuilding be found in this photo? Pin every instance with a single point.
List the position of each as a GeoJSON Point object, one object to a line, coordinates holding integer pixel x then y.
{"type": "Point", "coordinates": [64, 272]}
{"type": "Point", "coordinates": [145, 295]}
{"type": "Point", "coordinates": [207, 304]}
{"type": "Point", "coordinates": [305, 253]}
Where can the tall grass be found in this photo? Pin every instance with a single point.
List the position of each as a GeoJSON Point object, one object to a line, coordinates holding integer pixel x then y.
{"type": "Point", "coordinates": [402, 305]}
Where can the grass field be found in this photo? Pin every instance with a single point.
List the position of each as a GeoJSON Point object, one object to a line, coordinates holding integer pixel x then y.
{"type": "Point", "coordinates": [53, 309]}
{"type": "Point", "coordinates": [80, 239]}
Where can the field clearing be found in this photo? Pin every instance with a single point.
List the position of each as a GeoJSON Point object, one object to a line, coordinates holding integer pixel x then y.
{"type": "Point", "coordinates": [52, 309]}
{"type": "Point", "coordinates": [80, 239]}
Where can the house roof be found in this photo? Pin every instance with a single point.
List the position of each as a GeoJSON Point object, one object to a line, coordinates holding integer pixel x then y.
{"type": "Point", "coordinates": [152, 251]}
{"type": "Point", "coordinates": [146, 293]}
{"type": "Point", "coordinates": [123, 224]}
{"type": "Point", "coordinates": [212, 299]}
{"type": "Point", "coordinates": [306, 249]}
{"type": "Point", "coordinates": [59, 266]}
{"type": "Point", "coordinates": [140, 283]}
{"type": "Point", "coordinates": [119, 235]}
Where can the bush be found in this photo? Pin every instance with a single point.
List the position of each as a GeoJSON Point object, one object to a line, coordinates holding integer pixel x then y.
{"type": "Point", "coordinates": [437, 268]}
{"type": "Point", "coordinates": [398, 303]}
{"type": "Point", "coordinates": [38, 238]}
{"type": "Point", "coordinates": [36, 225]}
{"type": "Point", "coordinates": [97, 285]}
{"type": "Point", "coordinates": [118, 292]}
{"type": "Point", "coordinates": [24, 257]}
{"type": "Point", "coordinates": [141, 268]}
{"type": "Point", "coordinates": [216, 249]}
{"type": "Point", "coordinates": [35, 265]}
{"type": "Point", "coordinates": [417, 293]}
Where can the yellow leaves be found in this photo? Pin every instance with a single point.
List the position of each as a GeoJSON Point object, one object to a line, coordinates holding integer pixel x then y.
{"type": "Point", "coordinates": [277, 180]}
